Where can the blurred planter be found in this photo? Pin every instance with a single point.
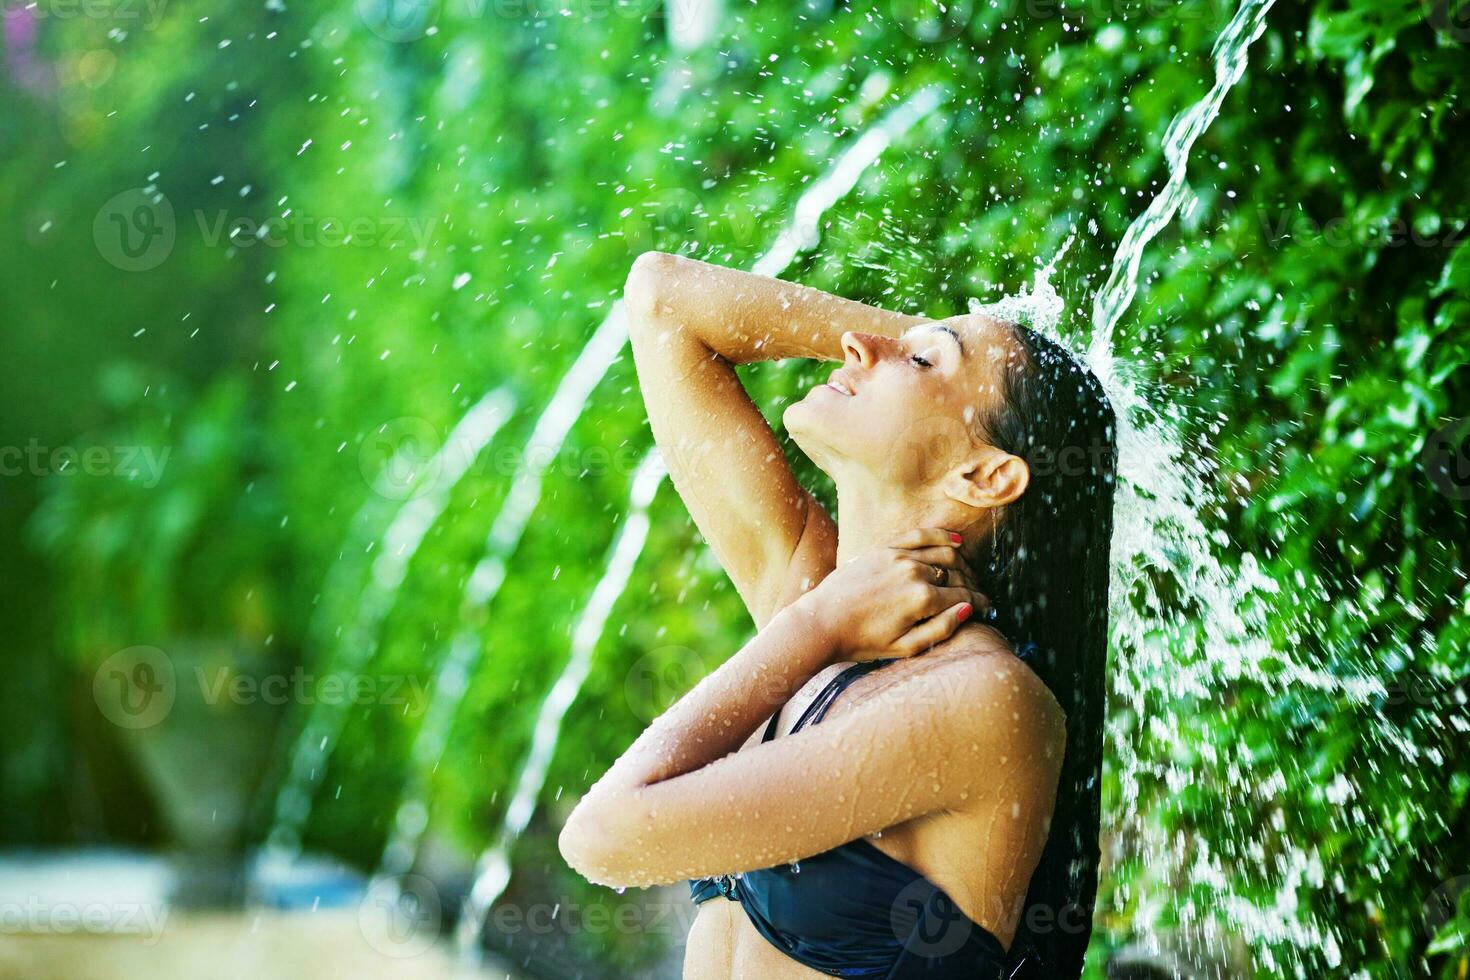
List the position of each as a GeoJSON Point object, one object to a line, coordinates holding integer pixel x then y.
{"type": "Point", "coordinates": [198, 721]}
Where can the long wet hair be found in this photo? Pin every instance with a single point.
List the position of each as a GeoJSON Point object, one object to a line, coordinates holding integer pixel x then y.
{"type": "Point", "coordinates": [1046, 571]}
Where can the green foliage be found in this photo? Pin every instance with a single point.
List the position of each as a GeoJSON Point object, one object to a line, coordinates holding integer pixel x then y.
{"type": "Point", "coordinates": [1312, 300]}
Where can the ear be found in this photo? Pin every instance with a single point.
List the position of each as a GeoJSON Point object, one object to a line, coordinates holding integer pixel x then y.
{"type": "Point", "coordinates": [992, 478]}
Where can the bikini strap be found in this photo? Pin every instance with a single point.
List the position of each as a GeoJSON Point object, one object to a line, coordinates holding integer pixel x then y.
{"type": "Point", "coordinates": [817, 710]}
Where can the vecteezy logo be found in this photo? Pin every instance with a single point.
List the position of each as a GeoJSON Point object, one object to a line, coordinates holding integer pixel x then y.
{"type": "Point", "coordinates": [668, 221]}
{"type": "Point", "coordinates": [135, 688]}
{"type": "Point", "coordinates": [1443, 904]}
{"type": "Point", "coordinates": [659, 678]}
{"type": "Point", "coordinates": [400, 458]}
{"type": "Point", "coordinates": [135, 231]}
{"type": "Point", "coordinates": [1449, 18]}
{"type": "Point", "coordinates": [1446, 459]}
{"type": "Point", "coordinates": [400, 916]}
{"type": "Point", "coordinates": [399, 21]}
{"type": "Point", "coordinates": [932, 21]}
{"type": "Point", "coordinates": [927, 922]}
{"type": "Point", "coordinates": [926, 449]}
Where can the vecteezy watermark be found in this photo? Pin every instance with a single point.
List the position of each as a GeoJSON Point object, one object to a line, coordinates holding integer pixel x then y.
{"type": "Point", "coordinates": [142, 463]}
{"type": "Point", "coordinates": [643, 915]}
{"type": "Point", "coordinates": [1345, 232]}
{"type": "Point", "coordinates": [406, 456]}
{"type": "Point", "coordinates": [37, 917]}
{"type": "Point", "coordinates": [145, 13]}
{"type": "Point", "coordinates": [137, 230]}
{"type": "Point", "coordinates": [402, 458]}
{"type": "Point", "coordinates": [405, 21]}
{"type": "Point", "coordinates": [1426, 692]}
{"type": "Point", "coordinates": [930, 924]}
{"type": "Point", "coordinates": [135, 688]}
{"type": "Point", "coordinates": [399, 21]}
{"type": "Point", "coordinates": [1446, 459]}
{"type": "Point", "coordinates": [300, 229]}
{"type": "Point", "coordinates": [138, 688]}
{"type": "Point", "coordinates": [223, 683]}
{"type": "Point", "coordinates": [1449, 18]}
{"type": "Point", "coordinates": [659, 678]}
{"type": "Point", "coordinates": [401, 916]}
{"type": "Point", "coordinates": [932, 21]}
{"type": "Point", "coordinates": [937, 21]}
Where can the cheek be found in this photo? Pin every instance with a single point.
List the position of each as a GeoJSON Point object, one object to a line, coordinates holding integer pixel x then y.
{"type": "Point", "coordinates": [924, 439]}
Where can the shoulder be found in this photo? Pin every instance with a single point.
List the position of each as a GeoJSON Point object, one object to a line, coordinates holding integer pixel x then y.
{"type": "Point", "coordinates": [985, 690]}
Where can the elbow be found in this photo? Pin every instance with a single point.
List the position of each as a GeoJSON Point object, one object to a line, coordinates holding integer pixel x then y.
{"type": "Point", "coordinates": [594, 844]}
{"type": "Point", "coordinates": [646, 291]}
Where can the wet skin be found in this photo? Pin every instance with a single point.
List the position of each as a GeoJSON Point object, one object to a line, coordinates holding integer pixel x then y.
{"type": "Point", "coordinates": [952, 755]}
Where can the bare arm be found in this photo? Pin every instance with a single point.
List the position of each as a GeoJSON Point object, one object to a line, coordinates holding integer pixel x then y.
{"type": "Point", "coordinates": [929, 743]}
{"type": "Point", "coordinates": [691, 322]}
{"type": "Point", "coordinates": [679, 804]}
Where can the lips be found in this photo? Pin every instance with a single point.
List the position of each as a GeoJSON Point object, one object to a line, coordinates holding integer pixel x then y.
{"type": "Point", "coordinates": [840, 386]}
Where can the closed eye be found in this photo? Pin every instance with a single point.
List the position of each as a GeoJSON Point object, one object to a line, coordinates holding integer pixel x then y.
{"type": "Point", "coordinates": [920, 361]}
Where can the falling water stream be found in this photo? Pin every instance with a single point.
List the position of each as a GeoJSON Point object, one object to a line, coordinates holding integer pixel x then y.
{"type": "Point", "coordinates": [492, 870]}
{"type": "Point", "coordinates": [319, 735]}
{"type": "Point", "coordinates": [427, 483]}
{"type": "Point", "coordinates": [1163, 658]}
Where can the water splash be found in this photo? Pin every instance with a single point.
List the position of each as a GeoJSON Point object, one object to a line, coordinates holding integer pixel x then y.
{"type": "Point", "coordinates": [1038, 308]}
{"type": "Point", "coordinates": [352, 647]}
{"type": "Point", "coordinates": [1169, 653]}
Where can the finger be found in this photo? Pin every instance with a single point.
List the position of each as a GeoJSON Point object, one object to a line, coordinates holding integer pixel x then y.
{"type": "Point", "coordinates": [930, 575]}
{"type": "Point", "coordinates": [946, 555]}
{"type": "Point", "coordinates": [945, 597]}
{"type": "Point", "coordinates": [934, 630]}
{"type": "Point", "coordinates": [925, 537]}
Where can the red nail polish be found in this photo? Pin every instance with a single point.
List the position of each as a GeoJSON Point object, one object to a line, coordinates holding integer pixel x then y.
{"type": "Point", "coordinates": [955, 538]}
{"type": "Point", "coordinates": [965, 611]}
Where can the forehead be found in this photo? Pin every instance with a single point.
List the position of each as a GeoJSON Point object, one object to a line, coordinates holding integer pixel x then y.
{"type": "Point", "coordinates": [987, 344]}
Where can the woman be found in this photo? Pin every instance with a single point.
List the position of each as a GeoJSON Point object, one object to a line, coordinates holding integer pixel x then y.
{"type": "Point", "coordinates": [879, 783]}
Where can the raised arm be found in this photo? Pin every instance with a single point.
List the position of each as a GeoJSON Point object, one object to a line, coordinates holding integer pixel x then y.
{"type": "Point", "coordinates": [691, 322]}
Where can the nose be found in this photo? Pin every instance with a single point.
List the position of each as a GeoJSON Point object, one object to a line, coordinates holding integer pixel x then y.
{"type": "Point", "coordinates": [864, 348]}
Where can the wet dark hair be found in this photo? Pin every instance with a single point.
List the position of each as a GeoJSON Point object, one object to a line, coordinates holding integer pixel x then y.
{"type": "Point", "coordinates": [1046, 570]}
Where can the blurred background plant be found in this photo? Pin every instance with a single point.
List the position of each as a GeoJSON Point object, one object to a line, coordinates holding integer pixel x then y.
{"type": "Point", "coordinates": [256, 250]}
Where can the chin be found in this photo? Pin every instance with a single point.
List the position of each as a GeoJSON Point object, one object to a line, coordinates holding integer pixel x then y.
{"type": "Point", "coordinates": [806, 427]}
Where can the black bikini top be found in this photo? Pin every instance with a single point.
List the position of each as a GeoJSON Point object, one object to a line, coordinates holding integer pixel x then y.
{"type": "Point", "coordinates": [855, 911]}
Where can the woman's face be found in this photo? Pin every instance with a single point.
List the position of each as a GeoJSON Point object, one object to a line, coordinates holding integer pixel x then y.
{"type": "Point", "coordinates": [903, 409]}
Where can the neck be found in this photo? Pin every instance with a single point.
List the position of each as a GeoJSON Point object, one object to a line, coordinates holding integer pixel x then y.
{"type": "Point", "coordinates": [869, 520]}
